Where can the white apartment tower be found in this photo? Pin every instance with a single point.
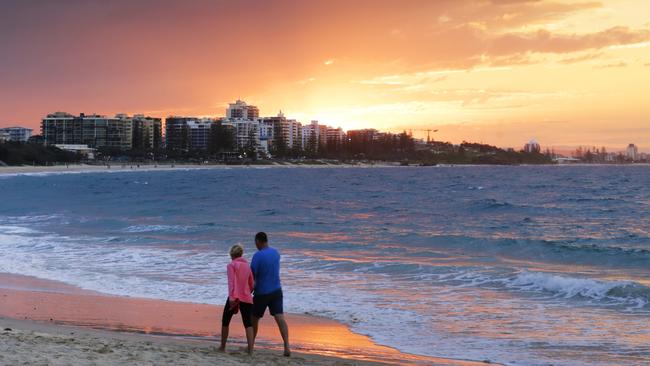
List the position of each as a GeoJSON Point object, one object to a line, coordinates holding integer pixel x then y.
{"type": "Point", "coordinates": [632, 152]}
{"type": "Point", "coordinates": [20, 134]}
{"type": "Point", "coordinates": [314, 132]}
{"type": "Point", "coordinates": [244, 120]}
{"type": "Point", "coordinates": [242, 111]}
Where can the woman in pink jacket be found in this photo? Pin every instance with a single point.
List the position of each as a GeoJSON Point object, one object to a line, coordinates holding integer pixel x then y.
{"type": "Point", "coordinates": [240, 288]}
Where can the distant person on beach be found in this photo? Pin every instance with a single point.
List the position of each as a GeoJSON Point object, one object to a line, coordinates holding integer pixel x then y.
{"type": "Point", "coordinates": [268, 290]}
{"type": "Point", "coordinates": [240, 288]}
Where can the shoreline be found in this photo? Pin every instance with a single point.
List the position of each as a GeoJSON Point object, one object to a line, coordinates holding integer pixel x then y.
{"type": "Point", "coordinates": [124, 168]}
{"type": "Point", "coordinates": [59, 306]}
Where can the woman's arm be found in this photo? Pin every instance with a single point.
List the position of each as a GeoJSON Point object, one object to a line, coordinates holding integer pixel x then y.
{"type": "Point", "coordinates": [231, 282]}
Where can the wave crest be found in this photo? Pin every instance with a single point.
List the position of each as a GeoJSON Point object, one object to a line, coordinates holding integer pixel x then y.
{"type": "Point", "coordinates": [622, 292]}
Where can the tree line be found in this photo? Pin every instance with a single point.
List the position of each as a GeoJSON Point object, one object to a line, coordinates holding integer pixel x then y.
{"type": "Point", "coordinates": [25, 153]}
{"type": "Point", "coordinates": [222, 146]}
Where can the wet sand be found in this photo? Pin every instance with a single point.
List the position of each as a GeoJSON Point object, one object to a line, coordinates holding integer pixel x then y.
{"type": "Point", "coordinates": [162, 332]}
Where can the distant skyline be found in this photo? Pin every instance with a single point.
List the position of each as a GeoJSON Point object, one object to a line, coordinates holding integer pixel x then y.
{"type": "Point", "coordinates": [567, 73]}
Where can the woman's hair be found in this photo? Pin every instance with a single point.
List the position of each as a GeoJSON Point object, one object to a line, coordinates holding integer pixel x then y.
{"type": "Point", "coordinates": [236, 251]}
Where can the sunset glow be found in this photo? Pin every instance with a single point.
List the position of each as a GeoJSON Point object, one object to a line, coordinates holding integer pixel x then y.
{"type": "Point", "coordinates": [496, 71]}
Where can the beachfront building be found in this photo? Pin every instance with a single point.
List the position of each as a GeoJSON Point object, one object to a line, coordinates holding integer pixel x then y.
{"type": "Point", "coordinates": [188, 133]}
{"type": "Point", "coordinates": [247, 134]}
{"type": "Point", "coordinates": [632, 152]}
{"type": "Point", "coordinates": [532, 146]}
{"type": "Point", "coordinates": [244, 119]}
{"type": "Point", "coordinates": [242, 111]}
{"type": "Point", "coordinates": [19, 134]}
{"type": "Point", "coordinates": [363, 136]}
{"type": "Point", "coordinates": [269, 129]}
{"type": "Point", "coordinates": [294, 135]}
{"type": "Point", "coordinates": [84, 150]}
{"type": "Point", "coordinates": [335, 137]}
{"type": "Point", "coordinates": [121, 132]}
{"type": "Point", "coordinates": [147, 132]}
{"type": "Point", "coordinates": [200, 133]}
{"type": "Point", "coordinates": [314, 136]}
{"type": "Point", "coordinates": [284, 134]}
{"type": "Point", "coordinates": [176, 134]}
{"type": "Point", "coordinates": [94, 130]}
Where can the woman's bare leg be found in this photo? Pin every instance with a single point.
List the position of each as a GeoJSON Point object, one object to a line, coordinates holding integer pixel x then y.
{"type": "Point", "coordinates": [224, 338]}
{"type": "Point", "coordinates": [250, 338]}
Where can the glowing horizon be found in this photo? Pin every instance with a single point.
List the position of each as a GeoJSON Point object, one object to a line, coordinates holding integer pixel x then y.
{"type": "Point", "coordinates": [567, 73]}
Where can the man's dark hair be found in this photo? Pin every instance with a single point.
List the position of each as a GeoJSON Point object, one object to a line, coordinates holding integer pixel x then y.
{"type": "Point", "coordinates": [261, 237]}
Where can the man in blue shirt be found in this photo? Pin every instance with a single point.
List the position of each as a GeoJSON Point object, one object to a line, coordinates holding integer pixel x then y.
{"type": "Point", "coordinates": [268, 290]}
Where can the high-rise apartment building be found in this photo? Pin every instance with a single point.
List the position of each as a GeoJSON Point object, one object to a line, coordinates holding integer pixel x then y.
{"type": "Point", "coordinates": [632, 152]}
{"type": "Point", "coordinates": [20, 134]}
{"type": "Point", "coordinates": [532, 146]}
{"type": "Point", "coordinates": [274, 131]}
{"type": "Point", "coordinates": [335, 137]}
{"type": "Point", "coordinates": [188, 133]}
{"type": "Point", "coordinates": [93, 130]}
{"type": "Point", "coordinates": [314, 134]}
{"type": "Point", "coordinates": [294, 140]}
{"type": "Point", "coordinates": [147, 132]}
{"type": "Point", "coordinates": [247, 133]}
{"type": "Point", "coordinates": [242, 111]}
{"type": "Point", "coordinates": [244, 120]}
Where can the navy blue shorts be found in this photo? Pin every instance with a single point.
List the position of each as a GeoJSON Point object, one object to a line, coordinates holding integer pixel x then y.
{"type": "Point", "coordinates": [273, 301]}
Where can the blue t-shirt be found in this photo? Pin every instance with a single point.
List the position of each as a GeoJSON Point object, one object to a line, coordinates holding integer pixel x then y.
{"type": "Point", "coordinates": [266, 270]}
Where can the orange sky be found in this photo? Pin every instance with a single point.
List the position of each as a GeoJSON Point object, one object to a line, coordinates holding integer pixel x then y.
{"type": "Point", "coordinates": [496, 71]}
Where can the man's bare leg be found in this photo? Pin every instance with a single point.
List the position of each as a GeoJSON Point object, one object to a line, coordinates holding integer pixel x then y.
{"type": "Point", "coordinates": [284, 331]}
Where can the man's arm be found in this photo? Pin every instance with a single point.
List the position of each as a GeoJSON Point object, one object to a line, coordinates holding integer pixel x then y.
{"type": "Point", "coordinates": [251, 282]}
{"type": "Point", "coordinates": [254, 265]}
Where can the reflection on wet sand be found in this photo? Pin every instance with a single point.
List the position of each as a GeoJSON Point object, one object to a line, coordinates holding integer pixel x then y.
{"type": "Point", "coordinates": [53, 302]}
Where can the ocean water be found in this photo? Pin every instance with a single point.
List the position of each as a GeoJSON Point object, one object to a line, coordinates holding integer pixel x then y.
{"type": "Point", "coordinates": [518, 265]}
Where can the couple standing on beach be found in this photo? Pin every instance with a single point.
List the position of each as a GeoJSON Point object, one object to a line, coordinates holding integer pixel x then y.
{"type": "Point", "coordinates": [262, 278]}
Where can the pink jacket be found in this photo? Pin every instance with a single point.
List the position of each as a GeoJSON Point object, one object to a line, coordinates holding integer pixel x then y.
{"type": "Point", "coordinates": [240, 281]}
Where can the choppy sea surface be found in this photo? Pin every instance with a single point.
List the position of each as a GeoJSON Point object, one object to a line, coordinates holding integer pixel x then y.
{"type": "Point", "coordinates": [518, 265]}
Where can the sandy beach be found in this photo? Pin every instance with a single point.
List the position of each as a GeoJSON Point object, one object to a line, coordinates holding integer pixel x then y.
{"type": "Point", "coordinates": [25, 342]}
{"type": "Point", "coordinates": [69, 325]}
{"type": "Point", "coordinates": [126, 167]}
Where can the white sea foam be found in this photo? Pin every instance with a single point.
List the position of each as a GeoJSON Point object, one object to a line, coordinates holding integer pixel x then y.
{"type": "Point", "coordinates": [570, 287]}
{"type": "Point", "coordinates": [130, 271]}
{"type": "Point", "coordinates": [153, 228]}
{"type": "Point", "coordinates": [11, 229]}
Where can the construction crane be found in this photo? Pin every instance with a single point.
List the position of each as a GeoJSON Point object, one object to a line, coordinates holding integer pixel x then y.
{"type": "Point", "coordinates": [429, 130]}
